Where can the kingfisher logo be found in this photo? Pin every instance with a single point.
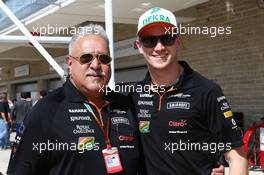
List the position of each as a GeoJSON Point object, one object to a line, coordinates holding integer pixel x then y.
{"type": "Point", "coordinates": [180, 123]}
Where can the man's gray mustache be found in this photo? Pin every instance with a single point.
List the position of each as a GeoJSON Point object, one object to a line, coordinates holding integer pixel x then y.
{"type": "Point", "coordinates": [96, 73]}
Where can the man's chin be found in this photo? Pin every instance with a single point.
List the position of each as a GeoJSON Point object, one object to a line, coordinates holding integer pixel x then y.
{"type": "Point", "coordinates": [158, 66]}
{"type": "Point", "coordinates": [96, 87]}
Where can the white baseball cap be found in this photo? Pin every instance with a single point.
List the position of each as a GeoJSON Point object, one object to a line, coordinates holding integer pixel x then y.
{"type": "Point", "coordinates": [155, 16]}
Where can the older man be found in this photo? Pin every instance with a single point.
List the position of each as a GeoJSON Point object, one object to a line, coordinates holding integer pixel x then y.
{"type": "Point", "coordinates": [76, 129]}
{"type": "Point", "coordinates": [186, 123]}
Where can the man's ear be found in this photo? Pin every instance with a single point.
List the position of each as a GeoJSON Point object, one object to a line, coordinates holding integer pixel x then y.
{"type": "Point", "coordinates": [69, 61]}
{"type": "Point", "coordinates": [138, 45]}
{"type": "Point", "coordinates": [178, 41]}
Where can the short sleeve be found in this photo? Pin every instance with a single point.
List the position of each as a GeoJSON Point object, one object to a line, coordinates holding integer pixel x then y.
{"type": "Point", "coordinates": [220, 118]}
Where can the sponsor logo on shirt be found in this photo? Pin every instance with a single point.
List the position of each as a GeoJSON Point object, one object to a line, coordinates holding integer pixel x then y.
{"type": "Point", "coordinates": [83, 129]}
{"type": "Point", "coordinates": [77, 110]}
{"type": "Point", "coordinates": [144, 126]}
{"type": "Point", "coordinates": [126, 146]}
{"type": "Point", "coordinates": [225, 106]}
{"type": "Point", "coordinates": [180, 95]}
{"type": "Point", "coordinates": [146, 95]}
{"type": "Point", "coordinates": [233, 121]}
{"type": "Point", "coordinates": [228, 114]}
{"type": "Point", "coordinates": [118, 120]}
{"type": "Point", "coordinates": [221, 98]}
{"type": "Point", "coordinates": [143, 114]}
{"type": "Point", "coordinates": [180, 123]}
{"type": "Point", "coordinates": [117, 111]}
{"type": "Point", "coordinates": [21, 128]}
{"type": "Point", "coordinates": [146, 103]}
{"type": "Point", "coordinates": [126, 138]}
{"type": "Point", "coordinates": [86, 143]}
{"type": "Point", "coordinates": [178, 132]}
{"type": "Point", "coordinates": [178, 105]}
{"type": "Point", "coordinates": [80, 118]}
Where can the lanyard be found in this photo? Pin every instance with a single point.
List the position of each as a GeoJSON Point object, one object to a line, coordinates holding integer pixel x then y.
{"type": "Point", "coordinates": [101, 124]}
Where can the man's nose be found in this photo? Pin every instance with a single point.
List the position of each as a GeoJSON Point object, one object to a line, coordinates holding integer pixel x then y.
{"type": "Point", "coordinates": [95, 64]}
{"type": "Point", "coordinates": [159, 46]}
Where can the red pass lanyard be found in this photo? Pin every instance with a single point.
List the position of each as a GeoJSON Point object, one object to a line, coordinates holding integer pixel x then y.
{"type": "Point", "coordinates": [101, 125]}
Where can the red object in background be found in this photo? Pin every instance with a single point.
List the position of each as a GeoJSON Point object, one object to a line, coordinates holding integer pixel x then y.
{"type": "Point", "coordinates": [34, 34]}
{"type": "Point", "coordinates": [252, 143]}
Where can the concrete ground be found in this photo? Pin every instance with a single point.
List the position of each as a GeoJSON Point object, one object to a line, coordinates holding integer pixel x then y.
{"type": "Point", "coordinates": [5, 155]}
{"type": "Point", "coordinates": [4, 158]}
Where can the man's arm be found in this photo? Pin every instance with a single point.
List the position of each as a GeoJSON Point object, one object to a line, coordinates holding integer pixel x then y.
{"type": "Point", "coordinates": [28, 159]}
{"type": "Point", "coordinates": [9, 119]}
{"type": "Point", "coordinates": [218, 171]}
{"type": "Point", "coordinates": [223, 125]}
{"type": "Point", "coordinates": [237, 161]}
{"type": "Point", "coordinates": [2, 114]}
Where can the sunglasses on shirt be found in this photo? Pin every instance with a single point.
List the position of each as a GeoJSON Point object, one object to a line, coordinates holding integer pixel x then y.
{"type": "Point", "coordinates": [151, 41]}
{"type": "Point", "coordinates": [87, 58]}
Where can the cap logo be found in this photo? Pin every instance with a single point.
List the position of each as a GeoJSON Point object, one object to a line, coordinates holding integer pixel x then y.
{"type": "Point", "coordinates": [156, 18]}
{"type": "Point", "coordinates": [155, 9]}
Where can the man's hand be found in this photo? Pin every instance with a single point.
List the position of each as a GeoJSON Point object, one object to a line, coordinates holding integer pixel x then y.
{"type": "Point", "coordinates": [218, 171]}
{"type": "Point", "coordinates": [237, 160]}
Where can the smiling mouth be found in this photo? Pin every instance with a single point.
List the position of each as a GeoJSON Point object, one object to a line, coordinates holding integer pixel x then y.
{"type": "Point", "coordinates": [159, 56]}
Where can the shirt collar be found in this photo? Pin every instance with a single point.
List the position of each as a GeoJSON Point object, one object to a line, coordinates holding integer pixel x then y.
{"type": "Point", "coordinates": [72, 93]}
{"type": "Point", "coordinates": [183, 82]}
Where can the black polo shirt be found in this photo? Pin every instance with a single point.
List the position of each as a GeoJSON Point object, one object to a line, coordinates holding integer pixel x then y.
{"type": "Point", "coordinates": [60, 123]}
{"type": "Point", "coordinates": [4, 108]}
{"type": "Point", "coordinates": [184, 129]}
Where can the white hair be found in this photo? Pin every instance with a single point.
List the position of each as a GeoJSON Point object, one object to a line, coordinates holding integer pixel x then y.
{"type": "Point", "coordinates": [90, 29]}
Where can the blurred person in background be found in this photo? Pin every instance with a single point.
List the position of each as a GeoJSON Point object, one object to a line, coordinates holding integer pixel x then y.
{"type": "Point", "coordinates": [6, 117]}
{"type": "Point", "coordinates": [42, 94]}
{"type": "Point", "coordinates": [21, 110]}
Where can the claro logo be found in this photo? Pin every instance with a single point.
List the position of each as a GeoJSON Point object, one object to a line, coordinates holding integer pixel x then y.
{"type": "Point", "coordinates": [181, 123]}
{"type": "Point", "coordinates": [126, 138]}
